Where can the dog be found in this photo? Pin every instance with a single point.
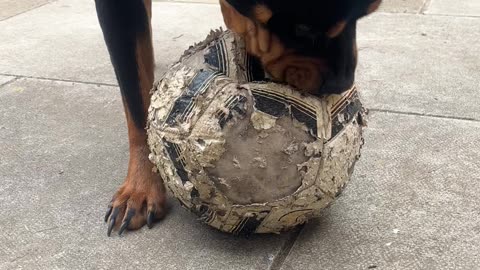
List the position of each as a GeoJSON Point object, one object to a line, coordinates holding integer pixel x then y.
{"type": "Point", "coordinates": [309, 44]}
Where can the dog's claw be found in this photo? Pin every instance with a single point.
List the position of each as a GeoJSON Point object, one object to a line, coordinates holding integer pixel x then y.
{"type": "Point", "coordinates": [109, 211]}
{"type": "Point", "coordinates": [150, 218]}
{"type": "Point", "coordinates": [113, 218]}
{"type": "Point", "coordinates": [110, 227]}
{"type": "Point", "coordinates": [123, 227]}
{"type": "Point", "coordinates": [126, 221]}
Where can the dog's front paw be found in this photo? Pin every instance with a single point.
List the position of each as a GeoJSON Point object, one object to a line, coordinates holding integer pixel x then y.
{"type": "Point", "coordinates": [139, 201]}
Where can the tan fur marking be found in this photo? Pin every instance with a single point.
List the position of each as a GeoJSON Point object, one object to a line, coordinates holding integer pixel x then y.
{"type": "Point", "coordinates": [262, 13]}
{"type": "Point", "coordinates": [374, 6]}
{"type": "Point", "coordinates": [337, 29]}
{"type": "Point", "coordinates": [232, 18]}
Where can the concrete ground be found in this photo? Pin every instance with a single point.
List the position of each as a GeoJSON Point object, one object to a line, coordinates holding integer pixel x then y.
{"type": "Point", "coordinates": [413, 202]}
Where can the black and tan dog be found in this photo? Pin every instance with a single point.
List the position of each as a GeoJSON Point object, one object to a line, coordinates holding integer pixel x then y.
{"type": "Point", "coordinates": [310, 44]}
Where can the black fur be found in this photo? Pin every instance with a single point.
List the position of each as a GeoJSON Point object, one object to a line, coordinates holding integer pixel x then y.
{"type": "Point", "coordinates": [341, 60]}
{"type": "Point", "coordinates": [122, 22]}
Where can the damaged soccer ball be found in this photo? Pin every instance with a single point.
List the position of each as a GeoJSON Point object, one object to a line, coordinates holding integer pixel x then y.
{"type": "Point", "coordinates": [244, 154]}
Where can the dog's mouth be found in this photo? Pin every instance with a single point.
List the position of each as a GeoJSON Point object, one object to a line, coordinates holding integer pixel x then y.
{"type": "Point", "coordinates": [303, 72]}
{"type": "Point", "coordinates": [283, 64]}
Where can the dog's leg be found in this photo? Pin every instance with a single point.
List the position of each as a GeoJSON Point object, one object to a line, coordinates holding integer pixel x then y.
{"type": "Point", "coordinates": [127, 31]}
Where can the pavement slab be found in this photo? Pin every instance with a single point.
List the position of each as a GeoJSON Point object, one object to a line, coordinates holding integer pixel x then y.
{"type": "Point", "coordinates": [10, 8]}
{"type": "Point", "coordinates": [412, 203]}
{"type": "Point", "coordinates": [402, 6]}
{"type": "Point", "coordinates": [63, 154]}
{"type": "Point", "coordinates": [459, 8]}
{"type": "Point", "coordinates": [63, 40]}
{"type": "Point", "coordinates": [420, 64]}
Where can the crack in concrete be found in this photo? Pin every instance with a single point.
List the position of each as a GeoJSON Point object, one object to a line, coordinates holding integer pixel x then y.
{"type": "Point", "coordinates": [18, 258]}
{"type": "Point", "coordinates": [116, 85]}
{"type": "Point", "coordinates": [452, 15]}
{"type": "Point", "coordinates": [282, 255]}
{"type": "Point", "coordinates": [57, 80]}
{"type": "Point", "coordinates": [47, 229]}
{"type": "Point", "coordinates": [28, 10]}
{"type": "Point", "coordinates": [426, 115]}
{"type": "Point", "coordinates": [424, 7]}
{"type": "Point", "coordinates": [425, 14]}
{"type": "Point", "coordinates": [9, 81]}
